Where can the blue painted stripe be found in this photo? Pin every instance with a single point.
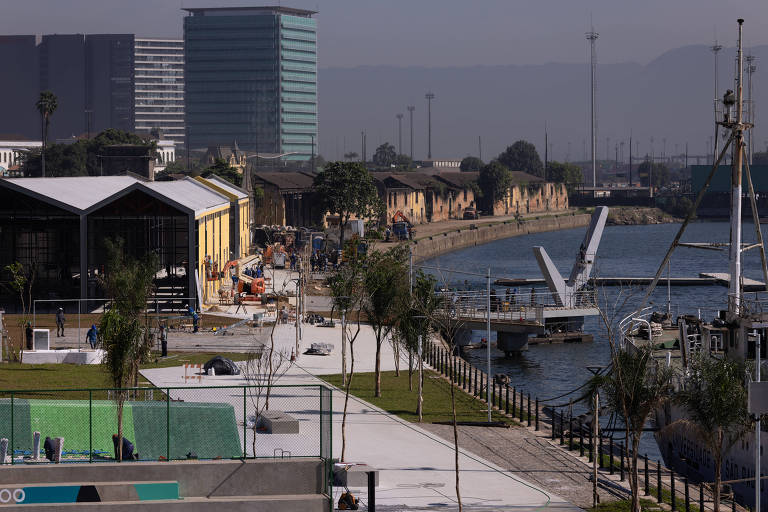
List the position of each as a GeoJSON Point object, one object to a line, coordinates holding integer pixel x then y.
{"type": "Point", "coordinates": [51, 494]}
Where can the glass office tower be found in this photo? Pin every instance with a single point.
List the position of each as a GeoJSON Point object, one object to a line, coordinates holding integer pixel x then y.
{"type": "Point", "coordinates": [251, 78]}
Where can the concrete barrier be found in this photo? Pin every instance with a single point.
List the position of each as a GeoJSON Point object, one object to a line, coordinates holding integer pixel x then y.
{"type": "Point", "coordinates": [460, 239]}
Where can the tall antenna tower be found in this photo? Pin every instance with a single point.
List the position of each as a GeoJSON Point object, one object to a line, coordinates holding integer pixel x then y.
{"type": "Point", "coordinates": [715, 48]}
{"type": "Point", "coordinates": [750, 68]}
{"type": "Point", "coordinates": [592, 37]}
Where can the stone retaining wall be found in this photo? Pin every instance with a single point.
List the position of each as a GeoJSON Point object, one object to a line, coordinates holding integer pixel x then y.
{"type": "Point", "coordinates": [461, 238]}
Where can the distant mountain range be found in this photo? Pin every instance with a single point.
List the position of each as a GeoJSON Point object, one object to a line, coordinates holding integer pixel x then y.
{"type": "Point", "coordinates": [669, 98]}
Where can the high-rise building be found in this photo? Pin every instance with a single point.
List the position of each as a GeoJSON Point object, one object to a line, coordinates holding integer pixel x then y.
{"type": "Point", "coordinates": [251, 78]}
{"type": "Point", "coordinates": [159, 87]}
{"type": "Point", "coordinates": [91, 76]}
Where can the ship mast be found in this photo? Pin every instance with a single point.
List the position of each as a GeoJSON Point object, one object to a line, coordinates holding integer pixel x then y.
{"type": "Point", "coordinates": [737, 129]}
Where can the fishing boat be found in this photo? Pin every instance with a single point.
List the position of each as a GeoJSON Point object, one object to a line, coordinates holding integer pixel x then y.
{"type": "Point", "coordinates": [734, 331]}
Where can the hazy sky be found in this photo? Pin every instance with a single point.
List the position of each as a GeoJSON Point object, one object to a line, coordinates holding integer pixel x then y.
{"type": "Point", "coordinates": [436, 32]}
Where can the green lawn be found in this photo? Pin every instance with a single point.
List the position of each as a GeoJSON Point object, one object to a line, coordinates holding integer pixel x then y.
{"type": "Point", "coordinates": [397, 399]}
{"type": "Point", "coordinates": [15, 376]}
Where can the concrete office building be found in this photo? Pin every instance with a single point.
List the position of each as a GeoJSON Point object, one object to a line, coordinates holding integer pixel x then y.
{"type": "Point", "coordinates": [251, 78]}
{"type": "Point", "coordinates": [159, 87]}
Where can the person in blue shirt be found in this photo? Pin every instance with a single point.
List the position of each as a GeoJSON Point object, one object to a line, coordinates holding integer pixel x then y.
{"type": "Point", "coordinates": [93, 336]}
{"type": "Point", "coordinates": [191, 312]}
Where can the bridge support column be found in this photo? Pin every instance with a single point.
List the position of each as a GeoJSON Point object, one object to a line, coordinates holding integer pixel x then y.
{"type": "Point", "coordinates": [463, 337]}
{"type": "Point", "coordinates": [512, 343]}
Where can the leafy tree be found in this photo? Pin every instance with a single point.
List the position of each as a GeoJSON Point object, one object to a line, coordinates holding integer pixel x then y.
{"type": "Point", "coordinates": [126, 341]}
{"type": "Point", "coordinates": [404, 163]}
{"type": "Point", "coordinates": [46, 105]}
{"type": "Point", "coordinates": [385, 155]}
{"type": "Point", "coordinates": [385, 280]}
{"type": "Point", "coordinates": [569, 174]}
{"type": "Point", "coordinates": [494, 182]}
{"type": "Point", "coordinates": [471, 164]}
{"type": "Point", "coordinates": [716, 400]}
{"type": "Point", "coordinates": [659, 174]}
{"type": "Point", "coordinates": [22, 281]}
{"type": "Point", "coordinates": [221, 168]}
{"type": "Point", "coordinates": [346, 189]}
{"type": "Point", "coordinates": [522, 156]}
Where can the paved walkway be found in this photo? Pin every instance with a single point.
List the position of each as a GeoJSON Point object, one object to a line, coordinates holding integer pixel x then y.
{"type": "Point", "coordinates": [416, 466]}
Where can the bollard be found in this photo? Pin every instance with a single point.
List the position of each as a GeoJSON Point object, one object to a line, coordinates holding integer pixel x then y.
{"type": "Point", "coordinates": [475, 390]}
{"type": "Point", "coordinates": [521, 405]}
{"type": "Point", "coordinates": [514, 401]}
{"type": "Point", "coordinates": [554, 417]}
{"type": "Point", "coordinates": [701, 497]}
{"type": "Point", "coordinates": [687, 497]}
{"type": "Point", "coordinates": [733, 505]}
{"type": "Point", "coordinates": [570, 433]}
{"type": "Point", "coordinates": [581, 436]}
{"type": "Point", "coordinates": [647, 488]}
{"type": "Point", "coordinates": [610, 455]}
{"type": "Point", "coordinates": [672, 488]}
{"type": "Point", "coordinates": [529, 409]}
{"type": "Point", "coordinates": [500, 406]}
{"type": "Point", "coordinates": [537, 414]}
{"type": "Point", "coordinates": [562, 429]}
{"type": "Point", "coordinates": [621, 462]}
{"type": "Point", "coordinates": [591, 445]}
{"type": "Point", "coordinates": [658, 481]}
{"type": "Point", "coordinates": [372, 491]}
{"type": "Point", "coordinates": [464, 375]}
{"type": "Point", "coordinates": [493, 392]}
{"type": "Point", "coordinates": [506, 401]}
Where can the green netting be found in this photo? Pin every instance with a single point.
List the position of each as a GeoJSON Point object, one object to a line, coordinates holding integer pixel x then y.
{"type": "Point", "coordinates": [70, 419]}
{"type": "Point", "coordinates": [208, 430]}
{"type": "Point", "coordinates": [22, 433]}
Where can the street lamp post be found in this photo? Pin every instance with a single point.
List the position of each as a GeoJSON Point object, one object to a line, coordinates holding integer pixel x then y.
{"type": "Point", "coordinates": [399, 133]}
{"type": "Point", "coordinates": [429, 96]}
{"type": "Point", "coordinates": [411, 108]}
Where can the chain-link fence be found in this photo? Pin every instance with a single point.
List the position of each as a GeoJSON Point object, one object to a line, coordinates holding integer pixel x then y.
{"type": "Point", "coordinates": [175, 423]}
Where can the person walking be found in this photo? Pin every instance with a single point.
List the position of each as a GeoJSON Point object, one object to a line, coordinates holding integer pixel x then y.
{"type": "Point", "coordinates": [29, 333]}
{"type": "Point", "coordinates": [293, 261]}
{"type": "Point", "coordinates": [93, 336]}
{"type": "Point", "coordinates": [60, 319]}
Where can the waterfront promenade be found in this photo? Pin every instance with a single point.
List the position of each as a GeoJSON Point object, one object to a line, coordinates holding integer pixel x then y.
{"type": "Point", "coordinates": [416, 465]}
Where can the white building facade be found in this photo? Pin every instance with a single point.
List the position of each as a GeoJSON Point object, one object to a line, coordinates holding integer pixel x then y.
{"type": "Point", "coordinates": [159, 87]}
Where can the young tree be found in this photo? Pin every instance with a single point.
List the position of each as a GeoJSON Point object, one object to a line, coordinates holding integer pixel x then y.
{"type": "Point", "coordinates": [522, 156]}
{"type": "Point", "coordinates": [384, 280]}
{"type": "Point", "coordinates": [471, 164]}
{"type": "Point", "coordinates": [385, 155]}
{"type": "Point", "coordinates": [716, 401]}
{"type": "Point", "coordinates": [46, 105]}
{"type": "Point", "coordinates": [346, 189]}
{"type": "Point", "coordinates": [346, 290]}
{"type": "Point", "coordinates": [22, 281]}
{"type": "Point", "coordinates": [494, 182]}
{"type": "Point", "coordinates": [128, 284]}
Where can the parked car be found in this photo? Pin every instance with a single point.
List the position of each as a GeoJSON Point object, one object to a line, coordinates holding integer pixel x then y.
{"type": "Point", "coordinates": [470, 214]}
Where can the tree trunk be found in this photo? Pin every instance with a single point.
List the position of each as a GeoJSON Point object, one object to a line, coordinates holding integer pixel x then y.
{"type": "Point", "coordinates": [346, 401]}
{"type": "Point", "coordinates": [377, 392]}
{"type": "Point", "coordinates": [343, 349]}
{"type": "Point", "coordinates": [718, 460]}
{"type": "Point", "coordinates": [396, 353]}
{"type": "Point", "coordinates": [410, 370]}
{"type": "Point", "coordinates": [420, 401]}
{"type": "Point", "coordinates": [120, 403]}
{"type": "Point", "coordinates": [633, 477]}
{"type": "Point", "coordinates": [455, 445]}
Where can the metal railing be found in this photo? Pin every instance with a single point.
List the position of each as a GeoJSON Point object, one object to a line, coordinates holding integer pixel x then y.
{"type": "Point", "coordinates": [169, 423]}
{"type": "Point", "coordinates": [521, 306]}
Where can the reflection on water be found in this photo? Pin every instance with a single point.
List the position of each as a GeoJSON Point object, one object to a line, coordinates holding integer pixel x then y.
{"type": "Point", "coordinates": [552, 370]}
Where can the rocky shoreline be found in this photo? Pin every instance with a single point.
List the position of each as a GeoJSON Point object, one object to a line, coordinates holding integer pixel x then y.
{"type": "Point", "coordinates": [633, 215]}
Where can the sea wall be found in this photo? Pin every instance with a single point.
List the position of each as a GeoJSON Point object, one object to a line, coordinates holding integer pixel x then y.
{"type": "Point", "coordinates": [435, 245]}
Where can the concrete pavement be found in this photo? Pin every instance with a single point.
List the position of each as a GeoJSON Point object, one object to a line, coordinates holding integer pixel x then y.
{"type": "Point", "coordinates": [416, 466]}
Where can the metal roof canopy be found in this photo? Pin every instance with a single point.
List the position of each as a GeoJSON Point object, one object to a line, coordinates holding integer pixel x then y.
{"type": "Point", "coordinates": [82, 195]}
{"type": "Point", "coordinates": [228, 186]}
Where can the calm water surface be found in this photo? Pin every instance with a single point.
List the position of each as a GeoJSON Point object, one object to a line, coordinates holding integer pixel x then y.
{"type": "Point", "coordinates": [552, 370]}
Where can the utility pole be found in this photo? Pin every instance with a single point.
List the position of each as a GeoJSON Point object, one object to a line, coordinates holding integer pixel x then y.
{"type": "Point", "coordinates": [592, 37]}
{"type": "Point", "coordinates": [715, 48]}
{"type": "Point", "coordinates": [429, 96]}
{"type": "Point", "coordinates": [411, 108]}
{"type": "Point", "coordinates": [399, 133]}
{"type": "Point", "coordinates": [362, 147]}
{"type": "Point", "coordinates": [630, 159]}
{"type": "Point", "coordinates": [480, 147]}
{"type": "Point", "coordinates": [546, 151]}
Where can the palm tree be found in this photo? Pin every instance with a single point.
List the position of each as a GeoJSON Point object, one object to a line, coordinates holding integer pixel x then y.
{"type": "Point", "coordinates": [46, 105]}
{"type": "Point", "coordinates": [635, 386]}
{"type": "Point", "coordinates": [716, 401]}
